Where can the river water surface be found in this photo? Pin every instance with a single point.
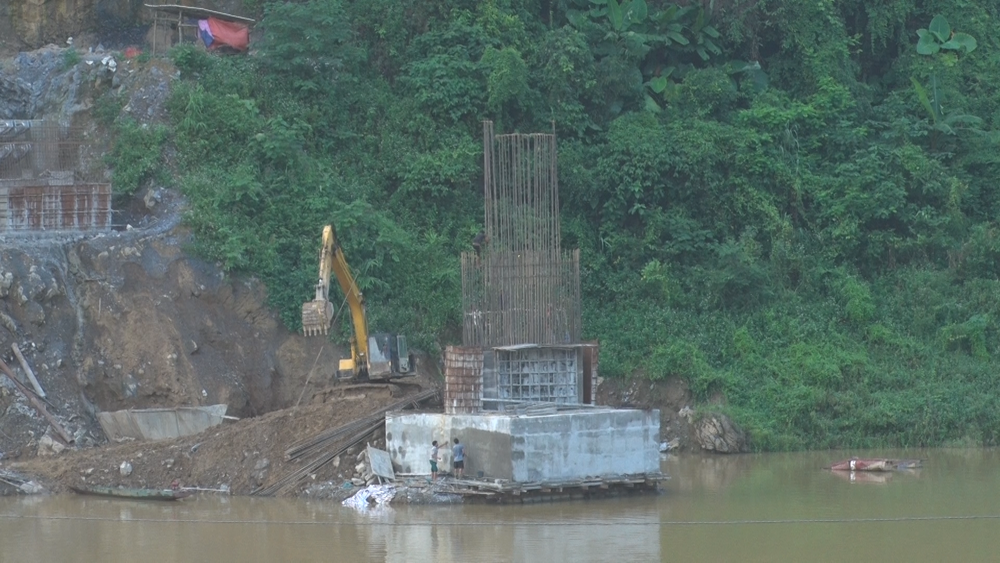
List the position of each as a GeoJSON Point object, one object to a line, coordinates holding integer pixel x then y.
{"type": "Point", "coordinates": [771, 507]}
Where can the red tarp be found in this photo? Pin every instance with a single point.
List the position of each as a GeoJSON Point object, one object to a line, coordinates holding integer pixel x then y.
{"type": "Point", "coordinates": [236, 35]}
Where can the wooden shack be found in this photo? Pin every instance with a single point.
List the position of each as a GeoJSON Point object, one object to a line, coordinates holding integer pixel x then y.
{"type": "Point", "coordinates": [175, 16]}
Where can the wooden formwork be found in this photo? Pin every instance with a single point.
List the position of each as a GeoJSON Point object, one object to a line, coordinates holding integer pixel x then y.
{"type": "Point", "coordinates": [509, 492]}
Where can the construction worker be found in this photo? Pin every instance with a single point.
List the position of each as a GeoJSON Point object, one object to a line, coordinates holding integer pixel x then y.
{"type": "Point", "coordinates": [478, 242]}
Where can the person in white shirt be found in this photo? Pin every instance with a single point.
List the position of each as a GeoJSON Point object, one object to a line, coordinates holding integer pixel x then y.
{"type": "Point", "coordinates": [434, 460]}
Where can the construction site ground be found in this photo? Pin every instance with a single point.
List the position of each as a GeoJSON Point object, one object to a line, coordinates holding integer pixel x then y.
{"type": "Point", "coordinates": [238, 456]}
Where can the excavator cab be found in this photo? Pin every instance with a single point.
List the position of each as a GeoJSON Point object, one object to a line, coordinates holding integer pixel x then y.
{"type": "Point", "coordinates": [388, 355]}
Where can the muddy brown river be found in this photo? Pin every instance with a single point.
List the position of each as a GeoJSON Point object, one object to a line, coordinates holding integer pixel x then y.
{"type": "Point", "coordinates": [773, 507]}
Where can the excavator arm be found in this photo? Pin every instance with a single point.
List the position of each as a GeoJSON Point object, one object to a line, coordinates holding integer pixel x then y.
{"type": "Point", "coordinates": [318, 313]}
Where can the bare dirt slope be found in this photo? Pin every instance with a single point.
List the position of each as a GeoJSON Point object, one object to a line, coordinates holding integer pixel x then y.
{"type": "Point", "coordinates": [129, 320]}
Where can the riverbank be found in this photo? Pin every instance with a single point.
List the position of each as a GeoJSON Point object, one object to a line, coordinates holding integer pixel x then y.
{"type": "Point", "coordinates": [249, 456]}
{"type": "Point", "coordinates": [240, 456]}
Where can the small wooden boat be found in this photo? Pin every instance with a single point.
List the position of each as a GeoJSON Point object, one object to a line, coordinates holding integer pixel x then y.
{"type": "Point", "coordinates": [137, 494]}
{"type": "Point", "coordinates": [875, 464]}
{"type": "Point", "coordinates": [865, 477]}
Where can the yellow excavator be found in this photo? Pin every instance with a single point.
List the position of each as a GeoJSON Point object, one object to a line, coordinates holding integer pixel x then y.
{"type": "Point", "coordinates": [373, 356]}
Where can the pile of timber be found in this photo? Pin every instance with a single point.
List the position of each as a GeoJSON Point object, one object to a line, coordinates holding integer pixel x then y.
{"type": "Point", "coordinates": [323, 448]}
{"type": "Point", "coordinates": [508, 491]}
{"type": "Point", "coordinates": [35, 398]}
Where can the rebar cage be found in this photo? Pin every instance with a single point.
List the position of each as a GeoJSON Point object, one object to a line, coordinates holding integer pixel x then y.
{"type": "Point", "coordinates": [520, 286]}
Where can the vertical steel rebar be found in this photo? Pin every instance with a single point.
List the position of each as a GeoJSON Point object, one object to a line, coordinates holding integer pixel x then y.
{"type": "Point", "coordinates": [522, 288]}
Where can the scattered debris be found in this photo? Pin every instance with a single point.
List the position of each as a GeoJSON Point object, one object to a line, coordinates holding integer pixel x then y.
{"type": "Point", "coordinates": [32, 488]}
{"type": "Point", "coordinates": [49, 446]}
{"type": "Point", "coordinates": [20, 483]}
{"type": "Point", "coordinates": [326, 446]}
{"type": "Point", "coordinates": [372, 495]}
{"type": "Point", "coordinates": [35, 402]}
{"type": "Point", "coordinates": [669, 445]}
{"type": "Point", "coordinates": [125, 469]}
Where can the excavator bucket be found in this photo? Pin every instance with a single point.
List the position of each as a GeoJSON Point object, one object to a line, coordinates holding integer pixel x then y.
{"type": "Point", "coordinates": [316, 317]}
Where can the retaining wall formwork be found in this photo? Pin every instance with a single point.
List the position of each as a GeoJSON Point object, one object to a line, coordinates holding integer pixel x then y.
{"type": "Point", "coordinates": [44, 184]}
{"type": "Point", "coordinates": [463, 380]}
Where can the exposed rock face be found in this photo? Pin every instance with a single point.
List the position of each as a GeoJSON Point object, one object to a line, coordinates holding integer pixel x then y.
{"type": "Point", "coordinates": [717, 433]}
{"type": "Point", "coordinates": [35, 85]}
{"type": "Point", "coordinates": [37, 22]}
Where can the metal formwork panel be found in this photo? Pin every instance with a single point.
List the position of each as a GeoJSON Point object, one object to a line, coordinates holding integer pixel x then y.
{"type": "Point", "coordinates": [537, 375]}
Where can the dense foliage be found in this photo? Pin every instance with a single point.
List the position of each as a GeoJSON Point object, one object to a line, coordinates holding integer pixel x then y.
{"type": "Point", "coordinates": [791, 204]}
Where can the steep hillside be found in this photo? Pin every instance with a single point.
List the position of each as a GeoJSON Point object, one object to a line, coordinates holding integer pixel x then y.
{"type": "Point", "coordinates": [128, 318]}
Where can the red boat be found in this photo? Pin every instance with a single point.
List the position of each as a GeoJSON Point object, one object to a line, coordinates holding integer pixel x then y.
{"type": "Point", "coordinates": [855, 464]}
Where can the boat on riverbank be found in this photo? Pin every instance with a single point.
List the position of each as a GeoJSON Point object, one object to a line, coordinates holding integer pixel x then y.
{"type": "Point", "coordinates": [135, 494]}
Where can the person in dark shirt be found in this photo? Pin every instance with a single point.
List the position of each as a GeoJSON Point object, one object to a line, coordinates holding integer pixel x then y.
{"type": "Point", "coordinates": [458, 458]}
{"type": "Point", "coordinates": [480, 241]}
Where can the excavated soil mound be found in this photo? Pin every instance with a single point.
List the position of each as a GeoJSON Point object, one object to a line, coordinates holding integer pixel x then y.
{"type": "Point", "coordinates": [241, 455]}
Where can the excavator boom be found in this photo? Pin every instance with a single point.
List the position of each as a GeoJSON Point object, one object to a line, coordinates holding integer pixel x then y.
{"type": "Point", "coordinates": [318, 313]}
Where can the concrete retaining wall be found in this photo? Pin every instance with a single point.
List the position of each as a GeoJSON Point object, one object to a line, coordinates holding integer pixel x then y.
{"type": "Point", "coordinates": [487, 440]}
{"type": "Point", "coordinates": [585, 443]}
{"type": "Point", "coordinates": [561, 446]}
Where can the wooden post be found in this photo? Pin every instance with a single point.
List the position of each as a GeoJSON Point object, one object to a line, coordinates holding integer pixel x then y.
{"type": "Point", "coordinates": [36, 403]}
{"type": "Point", "coordinates": [27, 370]}
{"type": "Point", "coordinates": [180, 19]}
{"type": "Point", "coordinates": [156, 28]}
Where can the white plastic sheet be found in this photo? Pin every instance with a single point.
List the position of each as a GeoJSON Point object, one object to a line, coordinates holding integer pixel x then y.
{"type": "Point", "coordinates": [372, 495]}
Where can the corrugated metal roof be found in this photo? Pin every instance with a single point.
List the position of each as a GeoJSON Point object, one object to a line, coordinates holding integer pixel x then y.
{"type": "Point", "coordinates": [516, 347]}
{"type": "Point", "coordinates": [197, 11]}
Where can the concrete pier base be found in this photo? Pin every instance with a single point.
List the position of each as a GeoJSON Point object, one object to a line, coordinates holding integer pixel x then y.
{"type": "Point", "coordinates": [565, 445]}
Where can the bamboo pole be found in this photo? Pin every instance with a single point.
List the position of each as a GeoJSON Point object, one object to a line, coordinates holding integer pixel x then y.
{"type": "Point", "coordinates": [36, 403]}
{"type": "Point", "coordinates": [27, 370]}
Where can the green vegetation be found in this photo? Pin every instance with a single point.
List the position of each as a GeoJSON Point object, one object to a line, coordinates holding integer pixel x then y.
{"type": "Point", "coordinates": [70, 58]}
{"type": "Point", "coordinates": [137, 153]}
{"type": "Point", "coordinates": [791, 204]}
